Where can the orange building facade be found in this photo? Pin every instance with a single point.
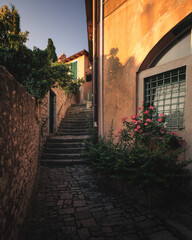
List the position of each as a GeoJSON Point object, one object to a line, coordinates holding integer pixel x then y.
{"type": "Point", "coordinates": [133, 42]}
{"type": "Point", "coordinates": [80, 67]}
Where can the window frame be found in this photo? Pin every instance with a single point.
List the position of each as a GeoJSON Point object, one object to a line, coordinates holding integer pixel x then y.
{"type": "Point", "coordinates": [182, 62]}
{"type": "Point", "coordinates": [166, 92]}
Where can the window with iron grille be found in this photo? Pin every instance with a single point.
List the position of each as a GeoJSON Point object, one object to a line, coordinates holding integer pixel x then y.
{"type": "Point", "coordinates": [166, 92]}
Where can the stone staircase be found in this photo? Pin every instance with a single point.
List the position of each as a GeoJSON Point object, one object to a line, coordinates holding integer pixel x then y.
{"type": "Point", "coordinates": [67, 145]}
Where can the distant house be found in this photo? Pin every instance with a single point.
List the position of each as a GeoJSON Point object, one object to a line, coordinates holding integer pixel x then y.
{"type": "Point", "coordinates": [80, 67]}
{"type": "Point", "coordinates": [141, 50]}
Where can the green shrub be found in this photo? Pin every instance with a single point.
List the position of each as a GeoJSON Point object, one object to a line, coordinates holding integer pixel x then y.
{"type": "Point", "coordinates": [144, 156]}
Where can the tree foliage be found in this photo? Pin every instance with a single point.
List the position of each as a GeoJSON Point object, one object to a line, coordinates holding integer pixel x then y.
{"type": "Point", "coordinates": [10, 32]}
{"type": "Point", "coordinates": [34, 69]}
{"type": "Point", "coordinates": [52, 56]}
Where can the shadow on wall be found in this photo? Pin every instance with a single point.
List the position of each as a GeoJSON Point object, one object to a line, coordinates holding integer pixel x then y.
{"type": "Point", "coordinates": [120, 86]}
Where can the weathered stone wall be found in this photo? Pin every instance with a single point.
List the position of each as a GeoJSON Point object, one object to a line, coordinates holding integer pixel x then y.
{"type": "Point", "coordinates": [42, 111]}
{"type": "Point", "coordinates": [19, 145]}
{"type": "Point", "coordinates": [24, 128]}
{"type": "Point", "coordinates": [63, 102]}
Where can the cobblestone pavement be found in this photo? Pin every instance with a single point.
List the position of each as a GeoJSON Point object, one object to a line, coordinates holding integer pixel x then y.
{"type": "Point", "coordinates": [70, 205]}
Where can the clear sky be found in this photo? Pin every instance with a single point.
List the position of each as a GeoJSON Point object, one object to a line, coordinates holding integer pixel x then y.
{"type": "Point", "coordinates": [64, 21]}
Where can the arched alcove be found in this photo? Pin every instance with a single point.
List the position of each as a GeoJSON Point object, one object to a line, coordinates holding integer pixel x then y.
{"type": "Point", "coordinates": [175, 44]}
{"type": "Point", "coordinates": [163, 77]}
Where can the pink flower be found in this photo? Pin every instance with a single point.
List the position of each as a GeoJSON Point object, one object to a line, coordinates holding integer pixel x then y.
{"type": "Point", "coordinates": [134, 121]}
{"type": "Point", "coordinates": [161, 115]}
{"type": "Point", "coordinates": [162, 132]}
{"type": "Point", "coordinates": [141, 131]}
{"type": "Point", "coordinates": [146, 112]}
{"type": "Point", "coordinates": [148, 120]}
{"type": "Point", "coordinates": [145, 124]}
{"type": "Point", "coordinates": [132, 133]}
{"type": "Point", "coordinates": [138, 108]}
{"type": "Point", "coordinates": [173, 133]}
{"type": "Point", "coordinates": [119, 131]}
{"type": "Point", "coordinates": [114, 135]}
{"type": "Point", "coordinates": [160, 120]}
{"type": "Point", "coordinates": [138, 126]}
{"type": "Point", "coordinates": [139, 121]}
{"type": "Point", "coordinates": [151, 107]}
{"type": "Point", "coordinates": [133, 116]}
{"type": "Point", "coordinates": [123, 119]}
{"type": "Point", "coordinates": [143, 107]}
{"type": "Point", "coordinates": [135, 129]}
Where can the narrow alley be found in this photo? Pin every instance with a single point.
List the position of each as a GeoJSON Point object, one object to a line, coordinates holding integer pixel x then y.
{"type": "Point", "coordinates": [69, 202]}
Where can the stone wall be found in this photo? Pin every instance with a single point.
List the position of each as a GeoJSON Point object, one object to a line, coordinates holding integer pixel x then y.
{"type": "Point", "coordinates": [19, 144]}
{"type": "Point", "coordinates": [63, 102]}
{"type": "Point", "coordinates": [24, 128]}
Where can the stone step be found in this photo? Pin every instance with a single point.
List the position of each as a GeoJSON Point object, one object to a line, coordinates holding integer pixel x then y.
{"type": "Point", "coordinates": [71, 133]}
{"type": "Point", "coordinates": [67, 139]}
{"type": "Point", "coordinates": [78, 105]}
{"type": "Point", "coordinates": [84, 111]}
{"type": "Point", "coordinates": [79, 114]}
{"type": "Point", "coordinates": [65, 145]}
{"type": "Point", "coordinates": [63, 150]}
{"type": "Point", "coordinates": [61, 156]}
{"type": "Point", "coordinates": [67, 129]}
{"type": "Point", "coordinates": [74, 123]}
{"type": "Point", "coordinates": [73, 120]}
{"type": "Point", "coordinates": [71, 128]}
{"type": "Point", "coordinates": [61, 162]}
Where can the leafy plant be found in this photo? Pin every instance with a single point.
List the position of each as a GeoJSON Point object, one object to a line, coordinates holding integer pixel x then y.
{"type": "Point", "coordinates": [10, 32]}
{"type": "Point", "coordinates": [34, 69]}
{"type": "Point", "coordinates": [144, 153]}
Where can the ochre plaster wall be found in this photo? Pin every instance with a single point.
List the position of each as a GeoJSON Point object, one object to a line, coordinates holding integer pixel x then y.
{"type": "Point", "coordinates": [87, 86]}
{"type": "Point", "coordinates": [130, 32]}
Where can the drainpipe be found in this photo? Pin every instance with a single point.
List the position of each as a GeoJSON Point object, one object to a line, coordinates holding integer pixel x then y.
{"type": "Point", "coordinates": [101, 67]}
{"type": "Point", "coordinates": [95, 67]}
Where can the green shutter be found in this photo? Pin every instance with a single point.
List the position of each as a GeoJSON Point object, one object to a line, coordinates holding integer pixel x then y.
{"type": "Point", "coordinates": [74, 69]}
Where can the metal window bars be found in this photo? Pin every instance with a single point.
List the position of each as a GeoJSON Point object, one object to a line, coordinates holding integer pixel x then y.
{"type": "Point", "coordinates": [166, 92]}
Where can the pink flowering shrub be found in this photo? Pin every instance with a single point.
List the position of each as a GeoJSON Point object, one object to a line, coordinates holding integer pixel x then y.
{"type": "Point", "coordinates": [139, 153]}
{"type": "Point", "coordinates": [146, 128]}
